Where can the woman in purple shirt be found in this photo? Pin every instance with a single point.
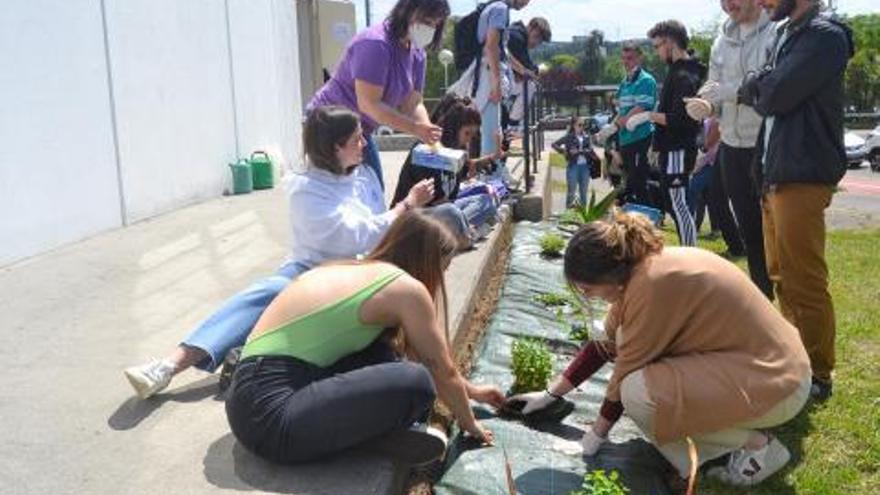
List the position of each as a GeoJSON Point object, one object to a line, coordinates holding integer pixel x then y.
{"type": "Point", "coordinates": [382, 74]}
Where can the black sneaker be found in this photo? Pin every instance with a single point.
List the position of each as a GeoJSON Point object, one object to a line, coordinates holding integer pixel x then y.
{"type": "Point", "coordinates": [230, 362]}
{"type": "Point", "coordinates": [821, 390]}
{"type": "Point", "coordinates": [416, 446]}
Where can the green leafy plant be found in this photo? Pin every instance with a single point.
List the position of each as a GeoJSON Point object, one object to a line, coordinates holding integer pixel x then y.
{"type": "Point", "coordinates": [552, 299]}
{"type": "Point", "coordinates": [592, 211]}
{"type": "Point", "coordinates": [599, 482]}
{"type": "Point", "coordinates": [552, 244]}
{"type": "Point", "coordinates": [579, 332]}
{"type": "Point", "coordinates": [532, 365]}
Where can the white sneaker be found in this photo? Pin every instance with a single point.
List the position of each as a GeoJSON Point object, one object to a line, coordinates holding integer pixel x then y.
{"type": "Point", "coordinates": [750, 467]}
{"type": "Point", "coordinates": [150, 378]}
{"type": "Point", "coordinates": [416, 446]}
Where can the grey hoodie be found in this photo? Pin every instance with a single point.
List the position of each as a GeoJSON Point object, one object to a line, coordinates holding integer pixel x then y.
{"type": "Point", "coordinates": [733, 57]}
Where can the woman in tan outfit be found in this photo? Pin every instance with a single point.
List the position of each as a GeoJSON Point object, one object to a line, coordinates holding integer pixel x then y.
{"type": "Point", "coordinates": [698, 351]}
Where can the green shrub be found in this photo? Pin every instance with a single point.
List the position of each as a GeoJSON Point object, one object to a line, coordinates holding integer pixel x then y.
{"type": "Point", "coordinates": [600, 483]}
{"type": "Point", "coordinates": [579, 332]}
{"type": "Point", "coordinates": [552, 244]}
{"type": "Point", "coordinates": [591, 212]}
{"type": "Point", "coordinates": [532, 365]}
{"type": "Point", "coordinates": [553, 299]}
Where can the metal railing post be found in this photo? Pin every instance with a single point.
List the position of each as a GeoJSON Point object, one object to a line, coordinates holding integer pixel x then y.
{"type": "Point", "coordinates": [526, 135]}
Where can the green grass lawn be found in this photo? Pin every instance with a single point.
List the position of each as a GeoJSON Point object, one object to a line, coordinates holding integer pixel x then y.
{"type": "Point", "coordinates": [836, 445]}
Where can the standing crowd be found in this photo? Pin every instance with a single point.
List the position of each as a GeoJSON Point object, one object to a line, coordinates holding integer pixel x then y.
{"type": "Point", "coordinates": [346, 344]}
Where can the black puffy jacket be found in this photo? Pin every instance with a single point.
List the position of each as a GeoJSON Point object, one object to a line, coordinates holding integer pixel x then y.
{"type": "Point", "coordinates": [804, 93]}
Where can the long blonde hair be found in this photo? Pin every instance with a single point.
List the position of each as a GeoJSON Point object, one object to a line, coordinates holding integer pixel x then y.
{"type": "Point", "coordinates": [422, 246]}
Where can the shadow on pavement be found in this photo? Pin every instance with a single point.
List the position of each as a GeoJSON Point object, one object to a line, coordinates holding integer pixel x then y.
{"type": "Point", "coordinates": [228, 465]}
{"type": "Point", "coordinates": [134, 410]}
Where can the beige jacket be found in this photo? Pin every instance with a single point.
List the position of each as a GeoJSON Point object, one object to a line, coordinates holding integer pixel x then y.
{"type": "Point", "coordinates": [714, 350]}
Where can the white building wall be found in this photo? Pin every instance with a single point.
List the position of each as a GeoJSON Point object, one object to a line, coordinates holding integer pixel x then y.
{"type": "Point", "coordinates": [180, 104]}
{"type": "Point", "coordinates": [171, 79]}
{"type": "Point", "coordinates": [58, 178]}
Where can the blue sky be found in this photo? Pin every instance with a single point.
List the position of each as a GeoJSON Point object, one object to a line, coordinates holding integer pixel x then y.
{"type": "Point", "coordinates": [619, 19]}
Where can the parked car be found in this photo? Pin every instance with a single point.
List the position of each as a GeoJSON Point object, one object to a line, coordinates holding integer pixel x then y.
{"type": "Point", "coordinates": [872, 147]}
{"type": "Point", "coordinates": [855, 149]}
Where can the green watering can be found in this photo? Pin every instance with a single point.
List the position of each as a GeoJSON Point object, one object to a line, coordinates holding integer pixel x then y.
{"type": "Point", "coordinates": [242, 179]}
{"type": "Point", "coordinates": [261, 165]}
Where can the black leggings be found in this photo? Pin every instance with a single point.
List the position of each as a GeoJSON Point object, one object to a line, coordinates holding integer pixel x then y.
{"type": "Point", "coordinates": [636, 171]}
{"type": "Point", "coordinates": [288, 411]}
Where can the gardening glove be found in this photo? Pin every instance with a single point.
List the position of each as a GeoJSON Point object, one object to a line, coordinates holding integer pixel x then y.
{"type": "Point", "coordinates": [698, 108]}
{"type": "Point", "coordinates": [535, 401]}
{"type": "Point", "coordinates": [591, 442]}
{"type": "Point", "coordinates": [606, 132]}
{"type": "Point", "coordinates": [637, 120]}
{"type": "Point", "coordinates": [717, 93]}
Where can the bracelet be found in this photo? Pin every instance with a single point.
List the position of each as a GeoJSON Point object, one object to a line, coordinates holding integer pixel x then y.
{"type": "Point", "coordinates": [406, 205]}
{"type": "Point", "coordinates": [551, 394]}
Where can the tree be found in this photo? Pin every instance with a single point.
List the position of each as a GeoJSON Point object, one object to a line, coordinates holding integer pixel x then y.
{"type": "Point", "coordinates": [593, 60]}
{"type": "Point", "coordinates": [434, 72]}
{"type": "Point", "coordinates": [564, 61]}
{"type": "Point", "coordinates": [863, 72]}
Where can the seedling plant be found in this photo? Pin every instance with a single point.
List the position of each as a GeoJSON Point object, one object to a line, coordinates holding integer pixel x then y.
{"type": "Point", "coordinates": [532, 365]}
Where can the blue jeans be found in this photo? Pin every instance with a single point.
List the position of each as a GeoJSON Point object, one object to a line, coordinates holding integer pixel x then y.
{"type": "Point", "coordinates": [232, 323]}
{"type": "Point", "coordinates": [489, 127]}
{"type": "Point", "coordinates": [452, 217]}
{"type": "Point", "coordinates": [696, 196]}
{"type": "Point", "coordinates": [577, 179]}
{"type": "Point", "coordinates": [478, 209]}
{"type": "Point", "coordinates": [372, 158]}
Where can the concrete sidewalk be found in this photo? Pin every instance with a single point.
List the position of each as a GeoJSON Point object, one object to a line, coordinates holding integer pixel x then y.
{"type": "Point", "coordinates": [74, 318]}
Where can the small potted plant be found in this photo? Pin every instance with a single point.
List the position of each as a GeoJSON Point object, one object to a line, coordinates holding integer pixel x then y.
{"type": "Point", "coordinates": [552, 245]}
{"type": "Point", "coordinates": [598, 482]}
{"type": "Point", "coordinates": [592, 211]}
{"type": "Point", "coordinates": [552, 299]}
{"type": "Point", "coordinates": [532, 365]}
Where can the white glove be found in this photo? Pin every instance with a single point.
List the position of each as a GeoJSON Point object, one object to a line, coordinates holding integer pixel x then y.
{"type": "Point", "coordinates": [698, 108]}
{"type": "Point", "coordinates": [717, 93]}
{"type": "Point", "coordinates": [535, 401]}
{"type": "Point", "coordinates": [591, 442]}
{"type": "Point", "coordinates": [606, 132]}
{"type": "Point", "coordinates": [637, 120]}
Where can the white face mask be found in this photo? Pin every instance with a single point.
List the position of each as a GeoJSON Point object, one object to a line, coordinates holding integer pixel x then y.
{"type": "Point", "coordinates": [421, 35]}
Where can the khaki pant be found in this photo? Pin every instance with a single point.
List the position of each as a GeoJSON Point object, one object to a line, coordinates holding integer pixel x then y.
{"type": "Point", "coordinates": [794, 242]}
{"type": "Point", "coordinates": [641, 409]}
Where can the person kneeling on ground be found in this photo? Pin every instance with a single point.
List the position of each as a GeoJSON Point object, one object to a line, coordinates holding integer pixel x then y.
{"type": "Point", "coordinates": [461, 123]}
{"type": "Point", "coordinates": [337, 210]}
{"type": "Point", "coordinates": [698, 351]}
{"type": "Point", "coordinates": [324, 368]}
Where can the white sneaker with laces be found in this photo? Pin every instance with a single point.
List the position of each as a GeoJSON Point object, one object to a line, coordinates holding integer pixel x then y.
{"type": "Point", "coordinates": [150, 378]}
{"type": "Point", "coordinates": [750, 467]}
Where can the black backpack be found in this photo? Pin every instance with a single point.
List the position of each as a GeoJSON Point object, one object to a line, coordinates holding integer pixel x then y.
{"type": "Point", "coordinates": [467, 48]}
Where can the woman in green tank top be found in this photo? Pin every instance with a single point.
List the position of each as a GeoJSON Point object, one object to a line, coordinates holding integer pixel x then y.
{"type": "Point", "coordinates": [353, 353]}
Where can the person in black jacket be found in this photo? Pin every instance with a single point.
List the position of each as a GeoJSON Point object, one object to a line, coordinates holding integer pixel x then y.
{"type": "Point", "coordinates": [582, 161]}
{"type": "Point", "coordinates": [675, 137]}
{"type": "Point", "coordinates": [461, 123]}
{"type": "Point", "coordinates": [521, 39]}
{"type": "Point", "coordinates": [801, 158]}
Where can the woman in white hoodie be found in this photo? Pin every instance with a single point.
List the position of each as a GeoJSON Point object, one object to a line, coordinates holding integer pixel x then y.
{"type": "Point", "coordinates": [337, 211]}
